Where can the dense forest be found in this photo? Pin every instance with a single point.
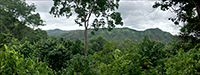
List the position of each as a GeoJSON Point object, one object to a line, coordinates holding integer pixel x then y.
{"type": "Point", "coordinates": [26, 49]}
{"type": "Point", "coordinates": [119, 34]}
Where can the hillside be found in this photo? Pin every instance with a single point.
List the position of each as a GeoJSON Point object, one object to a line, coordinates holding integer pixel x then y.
{"type": "Point", "coordinates": [56, 32]}
{"type": "Point", "coordinates": [117, 34]}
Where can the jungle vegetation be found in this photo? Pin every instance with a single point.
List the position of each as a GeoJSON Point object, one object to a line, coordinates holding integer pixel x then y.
{"type": "Point", "coordinates": [26, 49]}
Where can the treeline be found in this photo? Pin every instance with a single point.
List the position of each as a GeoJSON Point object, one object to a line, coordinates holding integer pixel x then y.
{"type": "Point", "coordinates": [117, 34]}
{"type": "Point", "coordinates": [66, 57]}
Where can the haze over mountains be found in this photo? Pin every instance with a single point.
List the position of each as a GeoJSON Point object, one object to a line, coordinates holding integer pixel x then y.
{"type": "Point", "coordinates": [120, 34]}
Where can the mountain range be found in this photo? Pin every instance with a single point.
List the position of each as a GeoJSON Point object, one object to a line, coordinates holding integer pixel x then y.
{"type": "Point", "coordinates": [120, 34]}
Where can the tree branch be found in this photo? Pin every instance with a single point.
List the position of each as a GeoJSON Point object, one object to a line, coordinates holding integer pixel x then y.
{"type": "Point", "coordinates": [197, 8]}
{"type": "Point", "coordinates": [90, 13]}
{"type": "Point", "coordinates": [76, 4]}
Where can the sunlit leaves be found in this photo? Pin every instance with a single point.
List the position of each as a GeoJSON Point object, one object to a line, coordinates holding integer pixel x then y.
{"type": "Point", "coordinates": [12, 62]}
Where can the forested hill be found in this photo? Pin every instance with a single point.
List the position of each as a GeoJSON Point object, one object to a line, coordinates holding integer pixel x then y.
{"type": "Point", "coordinates": [56, 32]}
{"type": "Point", "coordinates": [117, 34]}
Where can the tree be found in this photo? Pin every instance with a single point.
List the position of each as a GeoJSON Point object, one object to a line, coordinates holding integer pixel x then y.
{"type": "Point", "coordinates": [101, 9]}
{"type": "Point", "coordinates": [188, 11]}
{"type": "Point", "coordinates": [35, 20]}
{"type": "Point", "coordinates": [96, 44]}
{"type": "Point", "coordinates": [15, 13]}
{"type": "Point", "coordinates": [13, 62]}
{"type": "Point", "coordinates": [185, 9]}
{"type": "Point", "coordinates": [151, 49]}
{"type": "Point", "coordinates": [184, 63]}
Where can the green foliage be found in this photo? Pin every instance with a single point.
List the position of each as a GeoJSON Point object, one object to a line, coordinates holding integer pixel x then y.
{"type": "Point", "coordinates": [12, 62]}
{"type": "Point", "coordinates": [22, 33]}
{"type": "Point", "coordinates": [26, 49]}
{"type": "Point", "coordinates": [188, 12]}
{"type": "Point", "coordinates": [5, 38]}
{"type": "Point", "coordinates": [125, 46]}
{"type": "Point", "coordinates": [96, 44]}
{"type": "Point", "coordinates": [81, 65]}
{"type": "Point", "coordinates": [151, 49]}
{"type": "Point", "coordinates": [65, 56]}
{"type": "Point", "coordinates": [52, 53]}
{"type": "Point", "coordinates": [172, 48]}
{"type": "Point", "coordinates": [108, 47]}
{"type": "Point", "coordinates": [102, 10]}
{"type": "Point", "coordinates": [31, 51]}
{"type": "Point", "coordinates": [184, 9]}
{"type": "Point", "coordinates": [14, 9]}
{"type": "Point", "coordinates": [139, 59]}
{"type": "Point", "coordinates": [57, 52]}
{"type": "Point", "coordinates": [117, 63]}
{"type": "Point", "coordinates": [120, 34]}
{"type": "Point", "coordinates": [56, 32]}
{"type": "Point", "coordinates": [190, 33]}
{"type": "Point", "coordinates": [57, 58]}
{"type": "Point", "coordinates": [15, 16]}
{"type": "Point", "coordinates": [183, 62]}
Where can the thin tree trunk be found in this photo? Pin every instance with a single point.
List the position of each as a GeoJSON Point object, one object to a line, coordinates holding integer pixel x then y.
{"type": "Point", "coordinates": [85, 37]}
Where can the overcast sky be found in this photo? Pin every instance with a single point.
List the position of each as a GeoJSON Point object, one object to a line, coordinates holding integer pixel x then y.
{"type": "Point", "coordinates": [136, 14]}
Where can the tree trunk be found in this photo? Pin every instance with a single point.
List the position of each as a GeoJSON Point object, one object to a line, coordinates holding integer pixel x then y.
{"type": "Point", "coordinates": [85, 37]}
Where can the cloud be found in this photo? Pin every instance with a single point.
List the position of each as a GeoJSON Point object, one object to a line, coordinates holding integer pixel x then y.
{"type": "Point", "coordinates": [136, 14]}
{"type": "Point", "coordinates": [43, 7]}
{"type": "Point", "coordinates": [140, 15]}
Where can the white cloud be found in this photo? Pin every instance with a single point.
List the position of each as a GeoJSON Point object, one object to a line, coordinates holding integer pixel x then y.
{"type": "Point", "coordinates": [136, 14]}
{"type": "Point", "coordinates": [140, 15]}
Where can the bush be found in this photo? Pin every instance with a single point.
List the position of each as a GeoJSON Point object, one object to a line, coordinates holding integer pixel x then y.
{"type": "Point", "coordinates": [80, 65]}
{"type": "Point", "coordinates": [184, 63]}
{"type": "Point", "coordinates": [12, 62]}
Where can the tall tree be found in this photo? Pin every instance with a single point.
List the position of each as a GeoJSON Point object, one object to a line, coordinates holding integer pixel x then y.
{"type": "Point", "coordinates": [188, 12]}
{"type": "Point", "coordinates": [101, 9]}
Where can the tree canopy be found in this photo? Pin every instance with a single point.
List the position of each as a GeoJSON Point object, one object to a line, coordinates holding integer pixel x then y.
{"type": "Point", "coordinates": [188, 12]}
{"type": "Point", "coordinates": [103, 10]}
{"type": "Point", "coordinates": [25, 51]}
{"type": "Point", "coordinates": [19, 9]}
{"type": "Point", "coordinates": [17, 17]}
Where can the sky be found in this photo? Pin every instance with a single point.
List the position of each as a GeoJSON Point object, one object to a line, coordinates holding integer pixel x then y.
{"type": "Point", "coordinates": [136, 14]}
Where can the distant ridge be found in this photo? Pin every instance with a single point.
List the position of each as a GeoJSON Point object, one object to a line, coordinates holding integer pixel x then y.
{"type": "Point", "coordinates": [56, 32]}
{"type": "Point", "coordinates": [120, 34]}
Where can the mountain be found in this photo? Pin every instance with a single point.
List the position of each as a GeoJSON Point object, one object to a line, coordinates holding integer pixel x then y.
{"type": "Point", "coordinates": [56, 32]}
{"type": "Point", "coordinates": [120, 34]}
